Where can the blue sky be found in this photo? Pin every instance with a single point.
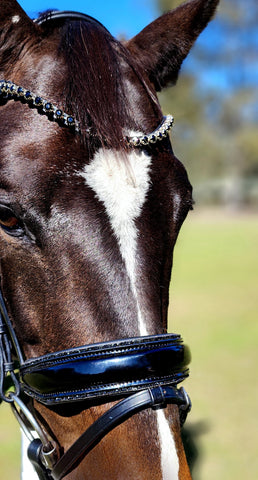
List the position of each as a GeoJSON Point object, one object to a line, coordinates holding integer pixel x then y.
{"type": "Point", "coordinates": [121, 17]}
{"type": "Point", "coordinates": [128, 17]}
{"type": "Point", "coordinates": [125, 17]}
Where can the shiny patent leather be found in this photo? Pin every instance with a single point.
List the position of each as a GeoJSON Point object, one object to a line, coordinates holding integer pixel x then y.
{"type": "Point", "coordinates": [107, 369]}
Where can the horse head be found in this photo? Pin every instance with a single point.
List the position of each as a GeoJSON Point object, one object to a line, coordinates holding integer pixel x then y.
{"type": "Point", "coordinates": [92, 199]}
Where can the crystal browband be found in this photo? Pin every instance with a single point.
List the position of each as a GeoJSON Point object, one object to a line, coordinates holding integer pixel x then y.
{"type": "Point", "coordinates": [9, 91]}
{"type": "Point", "coordinates": [158, 134]}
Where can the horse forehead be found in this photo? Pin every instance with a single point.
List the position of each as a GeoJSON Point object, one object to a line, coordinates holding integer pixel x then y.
{"type": "Point", "coordinates": [23, 146]}
{"type": "Point", "coordinates": [118, 179]}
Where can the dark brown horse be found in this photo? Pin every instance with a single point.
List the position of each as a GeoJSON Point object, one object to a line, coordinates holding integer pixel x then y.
{"type": "Point", "coordinates": [90, 208]}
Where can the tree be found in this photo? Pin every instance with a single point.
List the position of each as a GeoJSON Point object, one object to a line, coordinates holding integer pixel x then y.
{"type": "Point", "coordinates": [215, 105]}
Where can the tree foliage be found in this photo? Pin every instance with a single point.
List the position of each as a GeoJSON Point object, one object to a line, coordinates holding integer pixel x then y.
{"type": "Point", "coordinates": [215, 105]}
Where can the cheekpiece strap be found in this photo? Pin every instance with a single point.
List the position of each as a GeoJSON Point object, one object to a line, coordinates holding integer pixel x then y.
{"type": "Point", "coordinates": [110, 369]}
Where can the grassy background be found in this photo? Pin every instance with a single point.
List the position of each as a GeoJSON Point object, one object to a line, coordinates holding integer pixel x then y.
{"type": "Point", "coordinates": [214, 304]}
{"type": "Point", "coordinates": [9, 445]}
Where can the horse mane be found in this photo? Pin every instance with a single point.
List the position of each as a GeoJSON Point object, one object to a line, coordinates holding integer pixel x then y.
{"type": "Point", "coordinates": [94, 90]}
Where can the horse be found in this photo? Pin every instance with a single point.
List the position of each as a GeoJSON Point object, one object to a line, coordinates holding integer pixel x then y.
{"type": "Point", "coordinates": [92, 198]}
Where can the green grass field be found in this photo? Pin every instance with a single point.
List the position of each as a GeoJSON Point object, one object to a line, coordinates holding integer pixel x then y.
{"type": "Point", "coordinates": [214, 305]}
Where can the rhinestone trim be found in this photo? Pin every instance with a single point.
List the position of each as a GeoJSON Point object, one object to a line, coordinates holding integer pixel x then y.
{"type": "Point", "coordinates": [158, 134]}
{"type": "Point", "coordinates": [9, 91]}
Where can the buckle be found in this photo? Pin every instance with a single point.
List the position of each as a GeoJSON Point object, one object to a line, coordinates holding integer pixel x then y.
{"type": "Point", "coordinates": [158, 398]}
{"type": "Point", "coordinates": [185, 407]}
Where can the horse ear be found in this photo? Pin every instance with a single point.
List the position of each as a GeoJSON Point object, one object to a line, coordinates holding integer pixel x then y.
{"type": "Point", "coordinates": [162, 46]}
{"type": "Point", "coordinates": [13, 23]}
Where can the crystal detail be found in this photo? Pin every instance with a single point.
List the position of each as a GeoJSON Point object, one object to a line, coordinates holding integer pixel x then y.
{"type": "Point", "coordinates": [48, 106]}
{"type": "Point", "coordinates": [10, 90]}
{"type": "Point", "coordinates": [19, 92]}
{"type": "Point", "coordinates": [159, 134]}
{"type": "Point", "coordinates": [38, 101]}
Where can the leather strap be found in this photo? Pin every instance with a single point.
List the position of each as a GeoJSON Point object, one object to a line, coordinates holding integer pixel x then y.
{"type": "Point", "coordinates": [156, 397]}
{"type": "Point", "coordinates": [5, 320]}
{"type": "Point", "coordinates": [146, 359]}
{"type": "Point", "coordinates": [9, 352]}
{"type": "Point", "coordinates": [66, 15]}
{"type": "Point", "coordinates": [106, 370]}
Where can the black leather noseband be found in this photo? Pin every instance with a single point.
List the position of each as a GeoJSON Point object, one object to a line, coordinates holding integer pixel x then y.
{"type": "Point", "coordinates": [105, 370]}
{"type": "Point", "coordinates": [144, 371]}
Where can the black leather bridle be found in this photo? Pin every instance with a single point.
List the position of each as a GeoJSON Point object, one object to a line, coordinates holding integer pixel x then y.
{"type": "Point", "coordinates": [143, 371]}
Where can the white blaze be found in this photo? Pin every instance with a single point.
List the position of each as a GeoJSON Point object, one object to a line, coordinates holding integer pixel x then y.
{"type": "Point", "coordinates": [169, 456]}
{"type": "Point", "coordinates": [122, 186]}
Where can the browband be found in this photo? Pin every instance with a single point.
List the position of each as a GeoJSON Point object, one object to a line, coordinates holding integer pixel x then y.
{"type": "Point", "coordinates": [11, 91]}
{"type": "Point", "coordinates": [115, 369]}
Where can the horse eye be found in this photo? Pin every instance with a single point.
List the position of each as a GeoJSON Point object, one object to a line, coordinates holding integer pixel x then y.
{"type": "Point", "coordinates": [8, 221]}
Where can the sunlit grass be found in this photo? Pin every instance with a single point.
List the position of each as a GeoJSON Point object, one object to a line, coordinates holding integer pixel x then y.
{"type": "Point", "coordinates": [9, 445]}
{"type": "Point", "coordinates": [214, 304]}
